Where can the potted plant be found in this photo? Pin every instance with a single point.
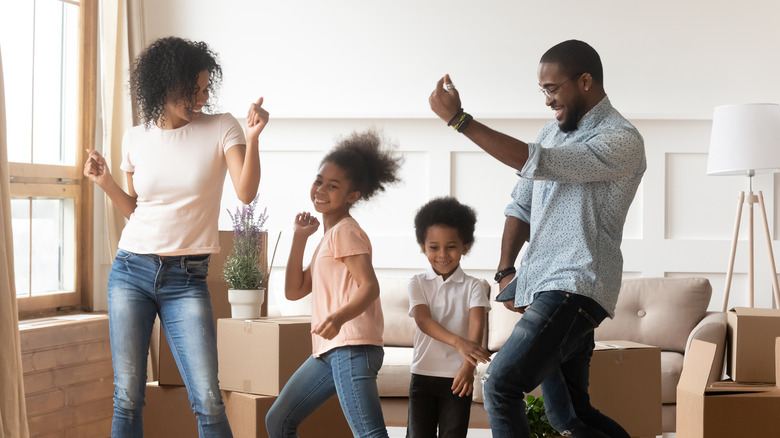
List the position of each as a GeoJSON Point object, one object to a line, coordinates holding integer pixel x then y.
{"type": "Point", "coordinates": [242, 272]}
{"type": "Point", "coordinates": [537, 418]}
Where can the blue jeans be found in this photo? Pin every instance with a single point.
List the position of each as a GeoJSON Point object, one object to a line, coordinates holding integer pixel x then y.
{"type": "Point", "coordinates": [141, 286]}
{"type": "Point", "coordinates": [433, 406]}
{"type": "Point", "coordinates": [349, 372]}
{"type": "Point", "coordinates": [551, 345]}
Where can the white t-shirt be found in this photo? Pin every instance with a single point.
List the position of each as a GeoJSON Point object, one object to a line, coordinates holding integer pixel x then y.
{"type": "Point", "coordinates": [178, 175]}
{"type": "Point", "coordinates": [449, 302]}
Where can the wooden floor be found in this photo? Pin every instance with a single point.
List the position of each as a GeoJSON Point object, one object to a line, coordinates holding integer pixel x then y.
{"type": "Point", "coordinates": [400, 432]}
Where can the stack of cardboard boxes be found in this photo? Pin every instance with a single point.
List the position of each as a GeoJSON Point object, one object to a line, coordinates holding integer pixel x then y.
{"type": "Point", "coordinates": [256, 358]}
{"type": "Point", "coordinates": [748, 402]}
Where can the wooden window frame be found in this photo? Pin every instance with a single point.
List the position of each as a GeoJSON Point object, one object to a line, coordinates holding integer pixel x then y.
{"type": "Point", "coordinates": [55, 181]}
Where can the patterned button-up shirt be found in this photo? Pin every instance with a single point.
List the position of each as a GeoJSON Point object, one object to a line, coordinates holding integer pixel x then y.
{"type": "Point", "coordinates": [574, 191]}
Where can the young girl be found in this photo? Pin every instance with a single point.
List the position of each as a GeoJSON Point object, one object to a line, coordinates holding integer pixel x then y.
{"type": "Point", "coordinates": [175, 165]}
{"type": "Point", "coordinates": [449, 309]}
{"type": "Point", "coordinates": [347, 320]}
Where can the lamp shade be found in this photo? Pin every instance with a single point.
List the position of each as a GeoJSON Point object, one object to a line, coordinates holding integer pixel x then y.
{"type": "Point", "coordinates": [745, 138]}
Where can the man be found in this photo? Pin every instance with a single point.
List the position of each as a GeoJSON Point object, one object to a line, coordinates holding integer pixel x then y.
{"type": "Point", "coordinates": [577, 181]}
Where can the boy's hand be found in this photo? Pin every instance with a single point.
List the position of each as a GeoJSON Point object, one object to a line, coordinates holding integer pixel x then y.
{"type": "Point", "coordinates": [463, 383]}
{"type": "Point", "coordinates": [305, 224]}
{"type": "Point", "coordinates": [473, 352]}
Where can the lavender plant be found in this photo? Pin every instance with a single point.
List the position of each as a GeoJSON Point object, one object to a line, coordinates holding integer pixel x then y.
{"type": "Point", "coordinates": [242, 267]}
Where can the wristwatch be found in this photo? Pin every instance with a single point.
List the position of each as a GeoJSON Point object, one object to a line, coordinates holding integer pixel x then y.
{"type": "Point", "coordinates": [503, 273]}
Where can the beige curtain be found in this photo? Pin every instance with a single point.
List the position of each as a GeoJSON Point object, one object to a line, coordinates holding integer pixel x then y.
{"type": "Point", "coordinates": [13, 411]}
{"type": "Point", "coordinates": [121, 39]}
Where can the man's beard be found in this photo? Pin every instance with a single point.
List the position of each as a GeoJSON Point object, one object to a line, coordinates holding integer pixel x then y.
{"type": "Point", "coordinates": [573, 116]}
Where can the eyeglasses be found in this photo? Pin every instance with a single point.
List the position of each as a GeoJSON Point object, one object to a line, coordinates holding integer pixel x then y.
{"type": "Point", "coordinates": [551, 92]}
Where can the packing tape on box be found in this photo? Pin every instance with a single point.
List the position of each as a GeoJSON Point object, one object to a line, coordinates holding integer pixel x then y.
{"type": "Point", "coordinates": [609, 346]}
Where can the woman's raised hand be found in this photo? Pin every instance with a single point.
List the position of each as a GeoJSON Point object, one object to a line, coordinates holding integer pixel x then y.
{"type": "Point", "coordinates": [96, 168]}
{"type": "Point", "coordinates": [256, 119]}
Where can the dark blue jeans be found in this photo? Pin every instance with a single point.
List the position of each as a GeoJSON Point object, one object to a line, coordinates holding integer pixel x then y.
{"type": "Point", "coordinates": [432, 406]}
{"type": "Point", "coordinates": [551, 345]}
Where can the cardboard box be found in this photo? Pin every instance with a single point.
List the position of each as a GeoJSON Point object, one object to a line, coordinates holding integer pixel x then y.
{"type": "Point", "coordinates": [752, 334]}
{"type": "Point", "coordinates": [724, 409]}
{"type": "Point", "coordinates": [247, 412]}
{"type": "Point", "coordinates": [258, 356]}
{"type": "Point", "coordinates": [168, 414]}
{"type": "Point", "coordinates": [167, 370]}
{"type": "Point", "coordinates": [625, 384]}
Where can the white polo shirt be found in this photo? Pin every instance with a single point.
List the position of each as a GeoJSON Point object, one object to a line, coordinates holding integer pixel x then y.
{"type": "Point", "coordinates": [449, 302]}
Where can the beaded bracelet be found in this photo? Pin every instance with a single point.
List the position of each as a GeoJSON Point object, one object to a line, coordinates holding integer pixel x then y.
{"type": "Point", "coordinates": [503, 273]}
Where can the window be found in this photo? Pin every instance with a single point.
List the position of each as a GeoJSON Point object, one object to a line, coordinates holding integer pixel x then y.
{"type": "Point", "coordinates": [49, 49]}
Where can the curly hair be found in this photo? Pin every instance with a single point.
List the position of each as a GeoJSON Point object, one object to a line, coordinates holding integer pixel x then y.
{"type": "Point", "coordinates": [369, 161]}
{"type": "Point", "coordinates": [449, 212]}
{"type": "Point", "coordinates": [169, 69]}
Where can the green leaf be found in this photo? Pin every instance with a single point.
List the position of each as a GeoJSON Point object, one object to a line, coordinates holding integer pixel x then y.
{"type": "Point", "coordinates": [537, 418]}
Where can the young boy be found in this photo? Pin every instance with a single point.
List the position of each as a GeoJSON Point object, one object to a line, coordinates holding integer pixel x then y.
{"type": "Point", "coordinates": [449, 308]}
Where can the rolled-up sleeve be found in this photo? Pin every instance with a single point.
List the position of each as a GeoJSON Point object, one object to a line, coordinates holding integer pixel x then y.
{"type": "Point", "coordinates": [611, 155]}
{"type": "Point", "coordinates": [520, 207]}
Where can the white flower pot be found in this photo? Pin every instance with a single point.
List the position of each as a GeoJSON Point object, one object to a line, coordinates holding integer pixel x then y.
{"type": "Point", "coordinates": [245, 303]}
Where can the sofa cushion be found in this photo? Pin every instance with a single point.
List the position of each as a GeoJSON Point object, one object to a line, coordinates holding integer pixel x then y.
{"type": "Point", "coordinates": [399, 326]}
{"type": "Point", "coordinates": [658, 311]}
{"type": "Point", "coordinates": [501, 321]}
{"type": "Point", "coordinates": [395, 375]}
{"type": "Point", "coordinates": [671, 368]}
{"type": "Point", "coordinates": [712, 329]}
{"type": "Point", "coordinates": [478, 374]}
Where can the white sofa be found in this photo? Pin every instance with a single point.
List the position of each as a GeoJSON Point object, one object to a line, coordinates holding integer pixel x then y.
{"type": "Point", "coordinates": [664, 312]}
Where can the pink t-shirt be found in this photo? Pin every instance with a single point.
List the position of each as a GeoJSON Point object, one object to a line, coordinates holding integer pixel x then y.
{"type": "Point", "coordinates": [333, 286]}
{"type": "Point", "coordinates": [178, 175]}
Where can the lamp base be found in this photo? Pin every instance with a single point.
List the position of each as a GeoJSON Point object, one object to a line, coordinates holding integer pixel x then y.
{"type": "Point", "coordinates": [751, 199]}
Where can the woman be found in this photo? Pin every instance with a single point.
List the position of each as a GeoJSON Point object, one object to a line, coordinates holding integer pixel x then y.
{"type": "Point", "coordinates": [175, 165]}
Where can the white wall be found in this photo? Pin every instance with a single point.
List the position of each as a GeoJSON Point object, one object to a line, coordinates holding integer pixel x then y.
{"type": "Point", "coordinates": [326, 68]}
{"type": "Point", "coordinates": [369, 58]}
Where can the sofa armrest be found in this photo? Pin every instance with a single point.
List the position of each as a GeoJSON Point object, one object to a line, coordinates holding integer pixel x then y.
{"type": "Point", "coordinates": [712, 329]}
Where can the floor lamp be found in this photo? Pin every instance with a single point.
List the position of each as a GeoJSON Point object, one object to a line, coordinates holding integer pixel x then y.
{"type": "Point", "coordinates": [745, 140]}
